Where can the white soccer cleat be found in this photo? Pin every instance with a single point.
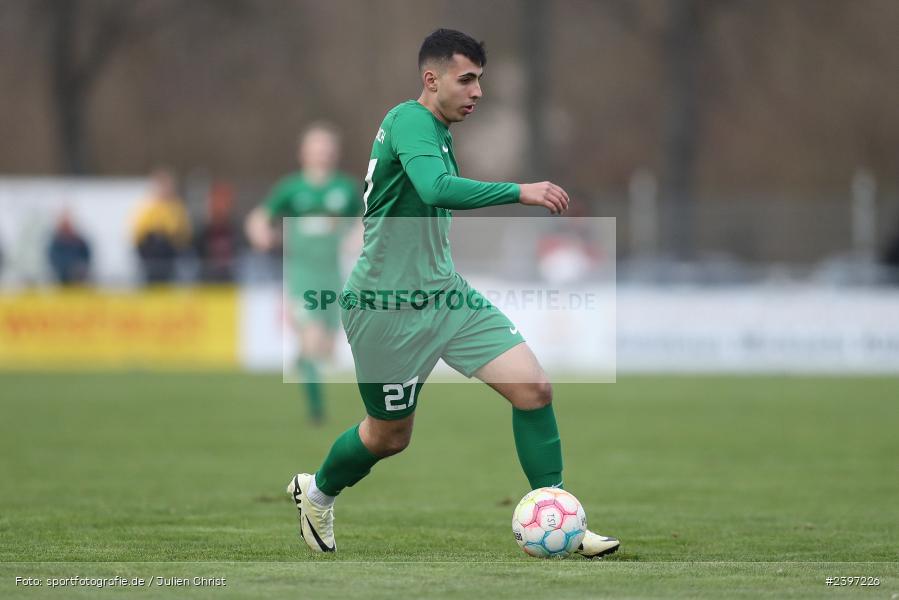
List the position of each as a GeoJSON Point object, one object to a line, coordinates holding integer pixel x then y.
{"type": "Point", "coordinates": [316, 521]}
{"type": "Point", "coordinates": [595, 545]}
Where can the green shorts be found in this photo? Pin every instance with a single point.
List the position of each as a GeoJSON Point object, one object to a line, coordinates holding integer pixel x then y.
{"type": "Point", "coordinates": [396, 350]}
{"type": "Point", "coordinates": [313, 299]}
{"type": "Point", "coordinates": [302, 314]}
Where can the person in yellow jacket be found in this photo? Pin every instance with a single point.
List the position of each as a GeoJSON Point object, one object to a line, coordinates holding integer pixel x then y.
{"type": "Point", "coordinates": [160, 229]}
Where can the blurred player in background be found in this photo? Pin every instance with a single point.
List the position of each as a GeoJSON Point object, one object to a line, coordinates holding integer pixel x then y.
{"type": "Point", "coordinates": [319, 198]}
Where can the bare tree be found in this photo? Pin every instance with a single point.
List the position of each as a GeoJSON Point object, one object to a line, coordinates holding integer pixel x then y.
{"type": "Point", "coordinates": [682, 53]}
{"type": "Point", "coordinates": [74, 72]}
{"type": "Point", "coordinates": [84, 37]}
{"type": "Point", "coordinates": [681, 42]}
{"type": "Point", "coordinates": [534, 15]}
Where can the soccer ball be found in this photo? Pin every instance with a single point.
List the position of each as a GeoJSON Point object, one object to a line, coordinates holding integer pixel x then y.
{"type": "Point", "coordinates": [549, 522]}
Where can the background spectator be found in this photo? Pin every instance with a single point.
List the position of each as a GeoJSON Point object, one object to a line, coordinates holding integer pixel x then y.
{"type": "Point", "coordinates": [218, 240]}
{"type": "Point", "coordinates": [891, 259]}
{"type": "Point", "coordinates": [68, 253]}
{"type": "Point", "coordinates": [161, 229]}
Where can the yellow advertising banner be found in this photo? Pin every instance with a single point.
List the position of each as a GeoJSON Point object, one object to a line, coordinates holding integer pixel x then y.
{"type": "Point", "coordinates": [92, 329]}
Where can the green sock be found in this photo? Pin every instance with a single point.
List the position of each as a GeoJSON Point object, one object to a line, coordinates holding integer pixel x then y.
{"type": "Point", "coordinates": [538, 445]}
{"type": "Point", "coordinates": [347, 463]}
{"type": "Point", "coordinates": [313, 386]}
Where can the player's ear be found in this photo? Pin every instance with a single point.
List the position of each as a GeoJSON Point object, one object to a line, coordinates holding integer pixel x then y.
{"type": "Point", "coordinates": [429, 79]}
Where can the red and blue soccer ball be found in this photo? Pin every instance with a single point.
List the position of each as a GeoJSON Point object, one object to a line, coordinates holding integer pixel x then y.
{"type": "Point", "coordinates": [549, 522]}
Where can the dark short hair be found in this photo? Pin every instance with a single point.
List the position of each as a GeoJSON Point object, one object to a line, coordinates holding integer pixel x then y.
{"type": "Point", "coordinates": [443, 43]}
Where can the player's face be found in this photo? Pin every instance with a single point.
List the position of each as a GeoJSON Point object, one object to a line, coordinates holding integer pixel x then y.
{"type": "Point", "coordinates": [319, 151]}
{"type": "Point", "coordinates": [459, 88]}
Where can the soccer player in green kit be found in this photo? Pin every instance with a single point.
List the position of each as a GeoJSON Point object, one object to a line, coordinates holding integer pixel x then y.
{"type": "Point", "coordinates": [412, 185]}
{"type": "Point", "coordinates": [317, 199]}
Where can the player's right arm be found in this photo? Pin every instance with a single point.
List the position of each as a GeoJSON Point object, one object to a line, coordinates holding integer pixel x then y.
{"type": "Point", "coordinates": [258, 225]}
{"type": "Point", "coordinates": [545, 194]}
{"type": "Point", "coordinates": [420, 155]}
{"type": "Point", "coordinates": [258, 228]}
{"type": "Point", "coordinates": [437, 187]}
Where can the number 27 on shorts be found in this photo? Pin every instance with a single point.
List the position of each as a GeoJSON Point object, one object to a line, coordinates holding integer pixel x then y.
{"type": "Point", "coordinates": [396, 398]}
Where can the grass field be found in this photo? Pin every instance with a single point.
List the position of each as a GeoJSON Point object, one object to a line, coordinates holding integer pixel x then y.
{"type": "Point", "coordinates": [718, 487]}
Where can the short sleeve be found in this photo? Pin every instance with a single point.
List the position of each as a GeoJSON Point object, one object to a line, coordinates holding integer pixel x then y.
{"type": "Point", "coordinates": [413, 134]}
{"type": "Point", "coordinates": [277, 203]}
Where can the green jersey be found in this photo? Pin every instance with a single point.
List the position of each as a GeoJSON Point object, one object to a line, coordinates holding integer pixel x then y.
{"type": "Point", "coordinates": [312, 241]}
{"type": "Point", "coordinates": [412, 186]}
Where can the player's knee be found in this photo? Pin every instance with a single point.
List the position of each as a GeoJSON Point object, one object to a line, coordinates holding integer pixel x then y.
{"type": "Point", "coordinates": [386, 438]}
{"type": "Point", "coordinates": [395, 444]}
{"type": "Point", "coordinates": [533, 395]}
{"type": "Point", "coordinates": [543, 393]}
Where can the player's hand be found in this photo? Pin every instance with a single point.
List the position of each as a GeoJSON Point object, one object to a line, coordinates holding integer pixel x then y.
{"type": "Point", "coordinates": [545, 194]}
{"type": "Point", "coordinates": [259, 231]}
